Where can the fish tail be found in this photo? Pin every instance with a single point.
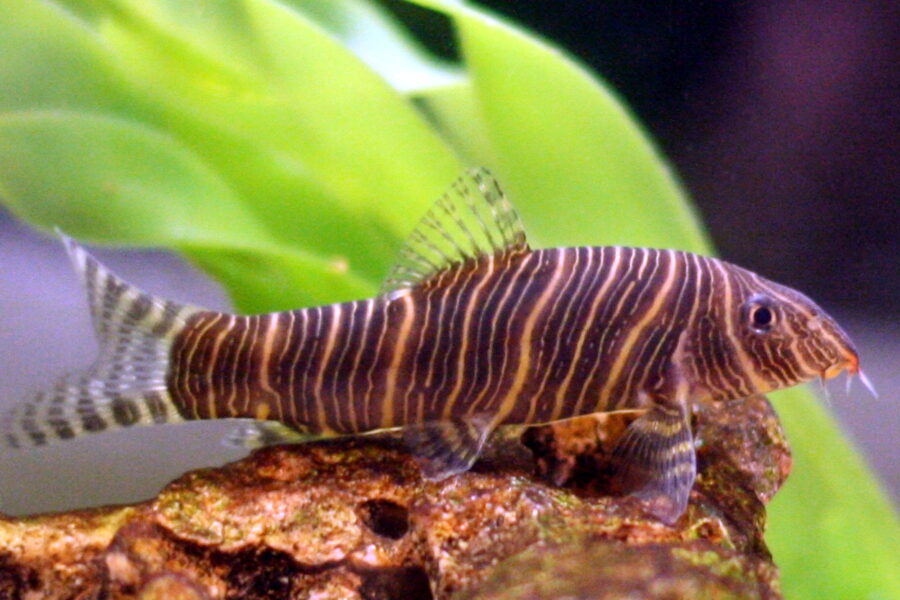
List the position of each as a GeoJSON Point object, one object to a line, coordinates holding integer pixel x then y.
{"type": "Point", "coordinates": [126, 385]}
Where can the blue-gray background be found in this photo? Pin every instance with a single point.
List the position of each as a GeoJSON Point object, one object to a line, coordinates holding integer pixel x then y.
{"type": "Point", "coordinates": [781, 117]}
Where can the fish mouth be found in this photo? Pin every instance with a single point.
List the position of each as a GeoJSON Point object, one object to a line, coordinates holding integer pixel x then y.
{"type": "Point", "coordinates": [850, 364]}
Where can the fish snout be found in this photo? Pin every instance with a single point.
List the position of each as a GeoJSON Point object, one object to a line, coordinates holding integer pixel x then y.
{"type": "Point", "coordinates": [848, 362]}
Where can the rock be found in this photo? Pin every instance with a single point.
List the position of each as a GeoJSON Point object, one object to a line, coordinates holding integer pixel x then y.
{"type": "Point", "coordinates": [605, 570]}
{"type": "Point", "coordinates": [352, 519]}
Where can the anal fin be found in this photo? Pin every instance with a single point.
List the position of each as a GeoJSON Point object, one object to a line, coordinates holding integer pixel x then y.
{"type": "Point", "coordinates": [445, 448]}
{"type": "Point", "coordinates": [655, 461]}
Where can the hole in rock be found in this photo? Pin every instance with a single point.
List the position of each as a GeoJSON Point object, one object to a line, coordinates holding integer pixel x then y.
{"type": "Point", "coordinates": [16, 581]}
{"type": "Point", "coordinates": [385, 518]}
{"type": "Point", "coordinates": [265, 575]}
{"type": "Point", "coordinates": [399, 583]}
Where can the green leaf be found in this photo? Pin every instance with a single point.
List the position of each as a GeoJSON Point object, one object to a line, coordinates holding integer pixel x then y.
{"type": "Point", "coordinates": [109, 180]}
{"type": "Point", "coordinates": [368, 31]}
{"type": "Point", "coordinates": [264, 280]}
{"type": "Point", "coordinates": [51, 60]}
{"type": "Point", "coordinates": [832, 530]}
{"type": "Point", "coordinates": [264, 117]}
{"type": "Point", "coordinates": [294, 120]}
{"type": "Point", "coordinates": [455, 112]}
{"type": "Point", "coordinates": [577, 165]}
{"type": "Point", "coordinates": [269, 73]}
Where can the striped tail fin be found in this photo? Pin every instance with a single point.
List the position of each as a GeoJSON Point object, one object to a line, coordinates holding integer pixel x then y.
{"type": "Point", "coordinates": [126, 385]}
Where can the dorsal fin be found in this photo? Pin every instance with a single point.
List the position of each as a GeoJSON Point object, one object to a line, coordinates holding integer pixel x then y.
{"type": "Point", "coordinates": [472, 219]}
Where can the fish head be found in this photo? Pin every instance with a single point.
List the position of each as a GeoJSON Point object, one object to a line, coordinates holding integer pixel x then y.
{"type": "Point", "coordinates": [783, 338]}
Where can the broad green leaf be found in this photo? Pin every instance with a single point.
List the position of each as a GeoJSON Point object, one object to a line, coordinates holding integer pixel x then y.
{"type": "Point", "coordinates": [191, 60]}
{"type": "Point", "coordinates": [88, 10]}
{"type": "Point", "coordinates": [50, 60]}
{"type": "Point", "coordinates": [367, 30]}
{"type": "Point", "coordinates": [108, 180]}
{"type": "Point", "coordinates": [273, 102]}
{"type": "Point", "coordinates": [454, 112]}
{"type": "Point", "coordinates": [105, 180]}
{"type": "Point", "coordinates": [280, 80]}
{"type": "Point", "coordinates": [574, 160]}
{"type": "Point", "coordinates": [265, 280]}
{"type": "Point", "coordinates": [833, 532]}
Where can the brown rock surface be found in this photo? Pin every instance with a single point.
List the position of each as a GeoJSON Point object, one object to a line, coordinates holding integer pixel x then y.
{"type": "Point", "coordinates": [352, 519]}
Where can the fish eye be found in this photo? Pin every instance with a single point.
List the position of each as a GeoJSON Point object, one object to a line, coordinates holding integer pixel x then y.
{"type": "Point", "coordinates": [760, 313]}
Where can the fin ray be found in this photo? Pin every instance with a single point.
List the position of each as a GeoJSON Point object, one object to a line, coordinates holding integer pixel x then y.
{"type": "Point", "coordinates": [654, 460]}
{"type": "Point", "coordinates": [126, 385]}
{"type": "Point", "coordinates": [472, 219]}
{"type": "Point", "coordinates": [445, 448]}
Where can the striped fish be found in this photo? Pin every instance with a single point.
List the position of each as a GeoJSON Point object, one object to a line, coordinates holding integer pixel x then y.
{"type": "Point", "coordinates": [473, 330]}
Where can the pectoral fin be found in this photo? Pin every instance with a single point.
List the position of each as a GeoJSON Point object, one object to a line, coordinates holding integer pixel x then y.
{"type": "Point", "coordinates": [445, 448]}
{"type": "Point", "coordinates": [655, 461]}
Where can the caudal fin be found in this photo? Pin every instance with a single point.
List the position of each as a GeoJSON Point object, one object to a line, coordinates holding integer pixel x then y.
{"type": "Point", "coordinates": [126, 386]}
